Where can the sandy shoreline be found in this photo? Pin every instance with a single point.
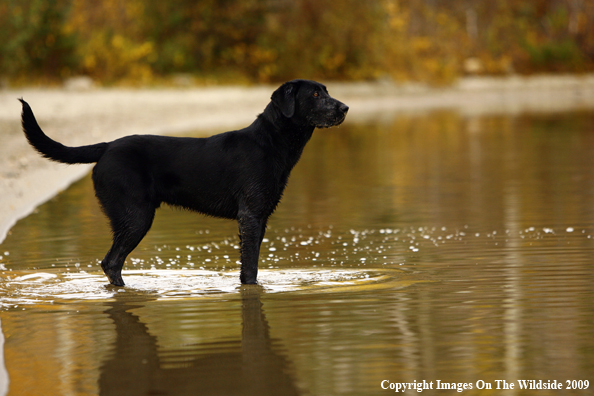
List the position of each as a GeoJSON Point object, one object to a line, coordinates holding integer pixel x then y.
{"type": "Point", "coordinates": [84, 117]}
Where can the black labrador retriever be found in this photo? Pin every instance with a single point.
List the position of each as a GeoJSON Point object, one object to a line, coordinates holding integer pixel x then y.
{"type": "Point", "coordinates": [235, 175]}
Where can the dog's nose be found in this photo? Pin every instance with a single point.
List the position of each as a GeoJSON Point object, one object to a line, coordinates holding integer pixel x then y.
{"type": "Point", "coordinates": [344, 108]}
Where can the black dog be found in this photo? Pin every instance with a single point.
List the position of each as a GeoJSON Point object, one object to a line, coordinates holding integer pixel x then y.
{"type": "Point", "coordinates": [236, 175]}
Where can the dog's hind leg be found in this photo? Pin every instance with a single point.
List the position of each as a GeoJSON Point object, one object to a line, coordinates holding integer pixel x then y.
{"type": "Point", "coordinates": [128, 230]}
{"type": "Point", "coordinates": [251, 233]}
{"type": "Point", "coordinates": [125, 194]}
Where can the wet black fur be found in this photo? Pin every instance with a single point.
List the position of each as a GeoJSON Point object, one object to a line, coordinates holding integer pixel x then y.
{"type": "Point", "coordinates": [236, 175]}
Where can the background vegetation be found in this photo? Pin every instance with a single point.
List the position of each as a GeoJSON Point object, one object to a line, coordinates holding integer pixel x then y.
{"type": "Point", "coordinates": [143, 41]}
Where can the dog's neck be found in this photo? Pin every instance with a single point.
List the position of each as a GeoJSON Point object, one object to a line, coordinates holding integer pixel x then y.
{"type": "Point", "coordinates": [282, 124]}
{"type": "Point", "coordinates": [288, 140]}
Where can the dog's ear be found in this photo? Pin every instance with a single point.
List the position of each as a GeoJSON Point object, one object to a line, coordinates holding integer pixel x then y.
{"type": "Point", "coordinates": [284, 98]}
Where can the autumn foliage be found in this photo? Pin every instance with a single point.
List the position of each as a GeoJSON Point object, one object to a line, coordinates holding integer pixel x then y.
{"type": "Point", "coordinates": [143, 41]}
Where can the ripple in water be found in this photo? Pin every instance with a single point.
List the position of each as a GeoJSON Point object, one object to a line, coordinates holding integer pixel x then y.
{"type": "Point", "coordinates": [48, 288]}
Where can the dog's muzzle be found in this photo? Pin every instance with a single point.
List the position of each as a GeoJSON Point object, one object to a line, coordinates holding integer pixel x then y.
{"type": "Point", "coordinates": [337, 117]}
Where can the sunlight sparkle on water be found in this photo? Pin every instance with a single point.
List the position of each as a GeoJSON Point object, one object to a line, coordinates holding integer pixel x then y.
{"type": "Point", "coordinates": [44, 287]}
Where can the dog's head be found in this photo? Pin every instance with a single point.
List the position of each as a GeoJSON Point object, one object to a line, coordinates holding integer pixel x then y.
{"type": "Point", "coordinates": [308, 102]}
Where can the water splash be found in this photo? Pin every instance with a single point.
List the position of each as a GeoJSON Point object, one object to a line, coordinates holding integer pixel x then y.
{"type": "Point", "coordinates": [48, 288]}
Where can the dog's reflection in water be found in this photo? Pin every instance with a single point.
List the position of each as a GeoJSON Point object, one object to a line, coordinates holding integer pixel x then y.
{"type": "Point", "coordinates": [246, 367]}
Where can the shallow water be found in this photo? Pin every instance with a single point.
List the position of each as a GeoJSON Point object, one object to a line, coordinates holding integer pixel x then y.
{"type": "Point", "coordinates": [416, 247]}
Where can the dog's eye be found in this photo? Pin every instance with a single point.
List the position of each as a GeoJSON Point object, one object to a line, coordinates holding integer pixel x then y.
{"type": "Point", "coordinates": [316, 94]}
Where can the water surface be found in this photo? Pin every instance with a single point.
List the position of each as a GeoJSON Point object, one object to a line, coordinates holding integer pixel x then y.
{"type": "Point", "coordinates": [415, 247]}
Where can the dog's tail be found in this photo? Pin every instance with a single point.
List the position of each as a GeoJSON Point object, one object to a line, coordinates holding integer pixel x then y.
{"type": "Point", "coordinates": [57, 151]}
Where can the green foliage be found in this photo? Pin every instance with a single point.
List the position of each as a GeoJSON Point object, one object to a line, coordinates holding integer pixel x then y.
{"type": "Point", "coordinates": [139, 41]}
{"type": "Point", "coordinates": [556, 55]}
{"type": "Point", "coordinates": [32, 39]}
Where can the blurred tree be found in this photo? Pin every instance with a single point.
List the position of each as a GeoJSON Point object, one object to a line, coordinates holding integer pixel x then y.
{"type": "Point", "coordinates": [111, 43]}
{"type": "Point", "coordinates": [33, 41]}
{"type": "Point", "coordinates": [272, 40]}
{"type": "Point", "coordinates": [207, 35]}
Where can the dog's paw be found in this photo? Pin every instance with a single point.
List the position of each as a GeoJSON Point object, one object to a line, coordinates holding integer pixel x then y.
{"type": "Point", "coordinates": [116, 280]}
{"type": "Point", "coordinates": [248, 280]}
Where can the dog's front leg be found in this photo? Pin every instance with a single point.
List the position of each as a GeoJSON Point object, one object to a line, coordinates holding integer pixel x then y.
{"type": "Point", "coordinates": [251, 233]}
